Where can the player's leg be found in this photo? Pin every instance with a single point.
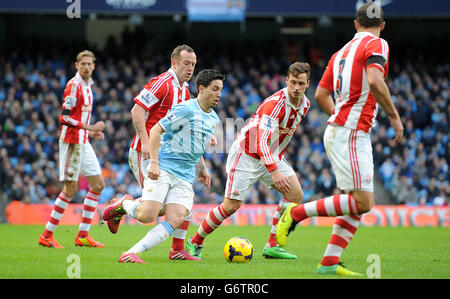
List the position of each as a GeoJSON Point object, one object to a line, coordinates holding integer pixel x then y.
{"type": "Point", "coordinates": [90, 167]}
{"type": "Point", "coordinates": [349, 160]}
{"type": "Point", "coordinates": [215, 217]}
{"type": "Point", "coordinates": [146, 211]}
{"type": "Point", "coordinates": [350, 155]}
{"type": "Point", "coordinates": [213, 220]}
{"type": "Point", "coordinates": [139, 168]}
{"type": "Point", "coordinates": [178, 202]}
{"type": "Point", "coordinates": [69, 169]}
{"type": "Point", "coordinates": [295, 195]}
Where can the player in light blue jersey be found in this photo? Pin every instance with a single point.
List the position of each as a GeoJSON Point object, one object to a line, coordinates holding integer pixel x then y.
{"type": "Point", "coordinates": [188, 129]}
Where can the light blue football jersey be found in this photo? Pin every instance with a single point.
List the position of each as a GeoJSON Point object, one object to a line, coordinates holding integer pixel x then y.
{"type": "Point", "coordinates": [189, 130]}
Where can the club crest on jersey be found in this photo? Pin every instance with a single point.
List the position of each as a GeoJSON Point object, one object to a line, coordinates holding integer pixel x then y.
{"type": "Point", "coordinates": [147, 98]}
{"type": "Point", "coordinates": [268, 123]}
{"type": "Point", "coordinates": [69, 102]}
{"type": "Point", "coordinates": [171, 116]}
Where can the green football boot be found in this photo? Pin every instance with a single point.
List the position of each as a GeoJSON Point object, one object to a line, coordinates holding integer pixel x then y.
{"type": "Point", "coordinates": [277, 252]}
{"type": "Point", "coordinates": [338, 269]}
{"type": "Point", "coordinates": [285, 225]}
{"type": "Point", "coordinates": [194, 249]}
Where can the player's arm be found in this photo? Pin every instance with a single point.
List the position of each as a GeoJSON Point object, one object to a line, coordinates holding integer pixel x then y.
{"type": "Point", "coordinates": [138, 118]}
{"type": "Point", "coordinates": [154, 142]}
{"type": "Point", "coordinates": [266, 126]}
{"type": "Point", "coordinates": [67, 120]}
{"type": "Point", "coordinates": [380, 90]}
{"type": "Point", "coordinates": [204, 176]}
{"type": "Point", "coordinates": [69, 103]}
{"type": "Point", "coordinates": [325, 88]}
{"type": "Point", "coordinates": [324, 99]}
{"type": "Point", "coordinates": [143, 103]}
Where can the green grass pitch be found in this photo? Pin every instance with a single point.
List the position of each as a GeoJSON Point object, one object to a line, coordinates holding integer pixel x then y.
{"type": "Point", "coordinates": [414, 252]}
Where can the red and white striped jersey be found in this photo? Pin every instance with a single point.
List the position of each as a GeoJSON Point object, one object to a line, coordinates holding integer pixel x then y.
{"type": "Point", "coordinates": [159, 95]}
{"type": "Point", "coordinates": [270, 129]}
{"type": "Point", "coordinates": [77, 108]}
{"type": "Point", "coordinates": [356, 107]}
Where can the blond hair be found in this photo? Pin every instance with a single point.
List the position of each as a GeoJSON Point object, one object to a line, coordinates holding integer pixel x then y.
{"type": "Point", "coordinates": [84, 54]}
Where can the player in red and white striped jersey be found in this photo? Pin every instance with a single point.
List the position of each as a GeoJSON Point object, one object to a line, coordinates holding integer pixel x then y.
{"type": "Point", "coordinates": [76, 154]}
{"type": "Point", "coordinates": [257, 154]}
{"type": "Point", "coordinates": [157, 97]}
{"type": "Point", "coordinates": [356, 75]}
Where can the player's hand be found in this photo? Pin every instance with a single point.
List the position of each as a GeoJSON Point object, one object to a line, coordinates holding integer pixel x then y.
{"type": "Point", "coordinates": [213, 141]}
{"type": "Point", "coordinates": [154, 171]}
{"type": "Point", "coordinates": [98, 126]}
{"type": "Point", "coordinates": [205, 178]}
{"type": "Point", "coordinates": [397, 125]}
{"type": "Point", "coordinates": [280, 181]}
{"type": "Point", "coordinates": [97, 135]}
{"type": "Point", "coordinates": [145, 149]}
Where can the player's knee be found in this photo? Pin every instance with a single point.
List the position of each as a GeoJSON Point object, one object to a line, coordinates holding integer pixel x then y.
{"type": "Point", "coordinates": [144, 214]}
{"type": "Point", "coordinates": [175, 218]}
{"type": "Point", "coordinates": [145, 217]}
{"type": "Point", "coordinates": [231, 206]}
{"type": "Point", "coordinates": [365, 206]}
{"type": "Point", "coordinates": [295, 196]}
{"type": "Point", "coordinates": [70, 188]}
{"type": "Point", "coordinates": [97, 187]}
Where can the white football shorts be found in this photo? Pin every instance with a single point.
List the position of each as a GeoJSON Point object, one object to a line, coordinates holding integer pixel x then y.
{"type": "Point", "coordinates": [350, 154]}
{"type": "Point", "coordinates": [138, 166]}
{"type": "Point", "coordinates": [243, 171]}
{"type": "Point", "coordinates": [168, 189]}
{"type": "Point", "coordinates": [75, 159]}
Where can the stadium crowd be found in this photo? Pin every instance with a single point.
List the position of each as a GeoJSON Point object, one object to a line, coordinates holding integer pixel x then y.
{"type": "Point", "coordinates": [32, 83]}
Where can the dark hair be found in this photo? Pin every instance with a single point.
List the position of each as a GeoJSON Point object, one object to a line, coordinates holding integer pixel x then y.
{"type": "Point", "coordinates": [176, 52]}
{"type": "Point", "coordinates": [299, 68]}
{"type": "Point", "coordinates": [205, 77]}
{"type": "Point", "coordinates": [369, 15]}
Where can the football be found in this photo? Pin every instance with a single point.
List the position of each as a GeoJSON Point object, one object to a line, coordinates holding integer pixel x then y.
{"type": "Point", "coordinates": [238, 250]}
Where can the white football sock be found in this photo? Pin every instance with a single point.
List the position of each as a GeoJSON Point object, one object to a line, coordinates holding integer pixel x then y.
{"type": "Point", "coordinates": [130, 206]}
{"type": "Point", "coordinates": [155, 236]}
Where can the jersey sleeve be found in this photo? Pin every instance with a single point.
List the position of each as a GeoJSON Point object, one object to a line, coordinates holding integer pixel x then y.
{"type": "Point", "coordinates": [268, 124]}
{"type": "Point", "coordinates": [176, 118]}
{"type": "Point", "coordinates": [377, 55]}
{"type": "Point", "coordinates": [327, 77]}
{"type": "Point", "coordinates": [155, 91]}
{"type": "Point", "coordinates": [71, 96]}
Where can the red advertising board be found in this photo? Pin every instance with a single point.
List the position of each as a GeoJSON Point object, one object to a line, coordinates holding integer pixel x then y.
{"type": "Point", "coordinates": [383, 215]}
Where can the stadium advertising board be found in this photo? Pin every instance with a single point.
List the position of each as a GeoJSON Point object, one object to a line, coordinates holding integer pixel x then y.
{"type": "Point", "coordinates": [256, 214]}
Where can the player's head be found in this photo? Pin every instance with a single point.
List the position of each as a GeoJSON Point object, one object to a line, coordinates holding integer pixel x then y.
{"type": "Point", "coordinates": [209, 84]}
{"type": "Point", "coordinates": [85, 64]}
{"type": "Point", "coordinates": [297, 80]}
{"type": "Point", "coordinates": [183, 62]}
{"type": "Point", "coordinates": [369, 15]}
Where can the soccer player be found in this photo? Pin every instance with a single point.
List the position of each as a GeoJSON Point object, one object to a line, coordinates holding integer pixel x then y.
{"type": "Point", "coordinates": [76, 154]}
{"type": "Point", "coordinates": [257, 154]}
{"type": "Point", "coordinates": [158, 96]}
{"type": "Point", "coordinates": [356, 75]}
{"type": "Point", "coordinates": [188, 129]}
